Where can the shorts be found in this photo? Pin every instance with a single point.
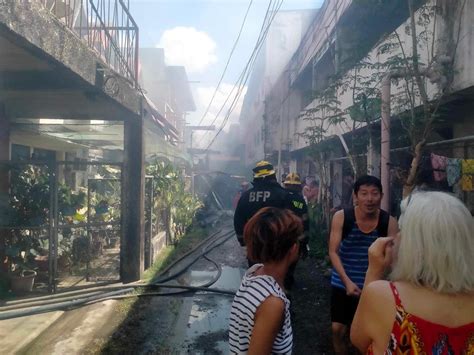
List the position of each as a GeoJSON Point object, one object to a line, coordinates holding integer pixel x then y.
{"type": "Point", "coordinates": [343, 307]}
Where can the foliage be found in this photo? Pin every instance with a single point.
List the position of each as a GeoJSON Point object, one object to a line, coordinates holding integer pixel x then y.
{"type": "Point", "coordinates": [69, 202]}
{"type": "Point", "coordinates": [172, 202]}
{"type": "Point", "coordinates": [30, 195]}
{"type": "Point", "coordinates": [423, 66]}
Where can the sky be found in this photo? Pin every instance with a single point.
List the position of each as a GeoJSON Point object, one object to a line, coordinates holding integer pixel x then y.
{"type": "Point", "coordinates": [199, 34]}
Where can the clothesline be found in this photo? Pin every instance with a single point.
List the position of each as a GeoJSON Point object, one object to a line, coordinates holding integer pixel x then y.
{"type": "Point", "coordinates": [455, 170]}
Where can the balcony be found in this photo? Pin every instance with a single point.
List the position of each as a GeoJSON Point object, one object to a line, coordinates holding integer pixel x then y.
{"type": "Point", "coordinates": [106, 26]}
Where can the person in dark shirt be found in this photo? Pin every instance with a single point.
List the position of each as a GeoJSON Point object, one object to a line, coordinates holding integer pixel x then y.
{"type": "Point", "coordinates": [294, 186]}
{"type": "Point", "coordinates": [266, 192]}
{"type": "Point", "coordinates": [353, 230]}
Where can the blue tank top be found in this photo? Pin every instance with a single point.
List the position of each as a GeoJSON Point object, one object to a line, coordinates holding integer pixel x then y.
{"type": "Point", "coordinates": [353, 252]}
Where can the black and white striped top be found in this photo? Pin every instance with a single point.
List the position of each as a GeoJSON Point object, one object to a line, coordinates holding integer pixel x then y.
{"type": "Point", "coordinates": [253, 290]}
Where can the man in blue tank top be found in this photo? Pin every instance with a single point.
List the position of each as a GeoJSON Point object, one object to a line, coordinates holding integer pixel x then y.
{"type": "Point", "coordinates": [353, 230]}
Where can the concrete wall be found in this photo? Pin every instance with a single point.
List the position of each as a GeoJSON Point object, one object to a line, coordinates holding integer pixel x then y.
{"type": "Point", "coordinates": [35, 28]}
{"type": "Point", "coordinates": [464, 71]}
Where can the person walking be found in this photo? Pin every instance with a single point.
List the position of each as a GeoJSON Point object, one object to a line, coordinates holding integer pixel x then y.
{"type": "Point", "coordinates": [427, 307]}
{"type": "Point", "coordinates": [298, 205]}
{"type": "Point", "coordinates": [266, 192]}
{"type": "Point", "coordinates": [353, 230]}
{"type": "Point", "coordinates": [260, 321]}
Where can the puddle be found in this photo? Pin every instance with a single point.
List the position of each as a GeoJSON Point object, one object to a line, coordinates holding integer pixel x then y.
{"type": "Point", "coordinates": [204, 321]}
{"type": "Point", "coordinates": [229, 279]}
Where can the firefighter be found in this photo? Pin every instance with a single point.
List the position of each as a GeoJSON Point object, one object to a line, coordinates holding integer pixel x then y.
{"type": "Point", "coordinates": [298, 205]}
{"type": "Point", "coordinates": [266, 192]}
{"type": "Point", "coordinates": [294, 186]}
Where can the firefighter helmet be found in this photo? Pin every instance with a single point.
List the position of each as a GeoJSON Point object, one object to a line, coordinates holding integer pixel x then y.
{"type": "Point", "coordinates": [263, 169]}
{"type": "Point", "coordinates": [292, 179]}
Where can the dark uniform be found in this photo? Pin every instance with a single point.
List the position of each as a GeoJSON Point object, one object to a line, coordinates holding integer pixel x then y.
{"type": "Point", "coordinates": [265, 193]}
{"type": "Point", "coordinates": [300, 208]}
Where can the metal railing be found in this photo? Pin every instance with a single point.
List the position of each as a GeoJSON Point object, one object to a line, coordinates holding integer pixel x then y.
{"type": "Point", "coordinates": [106, 26]}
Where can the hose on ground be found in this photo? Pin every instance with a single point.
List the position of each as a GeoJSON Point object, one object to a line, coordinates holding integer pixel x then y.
{"type": "Point", "coordinates": [68, 302]}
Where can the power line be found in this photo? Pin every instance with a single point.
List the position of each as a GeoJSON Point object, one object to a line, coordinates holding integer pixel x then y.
{"type": "Point", "coordinates": [227, 64]}
{"type": "Point", "coordinates": [273, 10]}
{"type": "Point", "coordinates": [247, 70]}
{"type": "Point", "coordinates": [241, 76]}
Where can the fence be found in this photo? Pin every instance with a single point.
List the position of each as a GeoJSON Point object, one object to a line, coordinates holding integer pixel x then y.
{"type": "Point", "coordinates": [106, 26]}
{"type": "Point", "coordinates": [62, 220]}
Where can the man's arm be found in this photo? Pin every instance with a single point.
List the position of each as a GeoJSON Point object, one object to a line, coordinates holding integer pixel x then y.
{"type": "Point", "coordinates": [335, 239]}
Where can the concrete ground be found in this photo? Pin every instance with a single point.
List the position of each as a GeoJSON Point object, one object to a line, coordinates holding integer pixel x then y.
{"type": "Point", "coordinates": [195, 323]}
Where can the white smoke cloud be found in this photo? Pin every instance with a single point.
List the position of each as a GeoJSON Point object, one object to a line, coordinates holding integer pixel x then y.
{"type": "Point", "coordinates": [186, 46]}
{"type": "Point", "coordinates": [203, 98]}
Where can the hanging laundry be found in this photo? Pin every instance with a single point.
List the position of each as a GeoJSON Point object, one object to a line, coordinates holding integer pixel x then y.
{"type": "Point", "coordinates": [453, 170]}
{"type": "Point", "coordinates": [439, 162]}
{"type": "Point", "coordinates": [467, 182]}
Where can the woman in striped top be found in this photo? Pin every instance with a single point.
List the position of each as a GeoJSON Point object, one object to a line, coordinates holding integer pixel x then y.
{"type": "Point", "coordinates": [260, 315]}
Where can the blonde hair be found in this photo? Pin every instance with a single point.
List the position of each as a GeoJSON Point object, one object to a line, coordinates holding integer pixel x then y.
{"type": "Point", "coordinates": [437, 243]}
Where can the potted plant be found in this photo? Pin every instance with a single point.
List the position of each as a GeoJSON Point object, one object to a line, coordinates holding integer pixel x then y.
{"type": "Point", "coordinates": [22, 275]}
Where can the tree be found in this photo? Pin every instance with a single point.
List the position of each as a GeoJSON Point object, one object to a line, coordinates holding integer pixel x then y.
{"type": "Point", "coordinates": [423, 70]}
{"type": "Point", "coordinates": [424, 67]}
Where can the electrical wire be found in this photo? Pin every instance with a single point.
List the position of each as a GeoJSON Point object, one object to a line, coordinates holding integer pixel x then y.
{"type": "Point", "coordinates": [248, 72]}
{"type": "Point", "coordinates": [227, 63]}
{"type": "Point", "coordinates": [242, 74]}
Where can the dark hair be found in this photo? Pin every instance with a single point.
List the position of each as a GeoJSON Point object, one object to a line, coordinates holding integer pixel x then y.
{"type": "Point", "coordinates": [367, 180]}
{"type": "Point", "coordinates": [270, 234]}
{"type": "Point", "coordinates": [313, 183]}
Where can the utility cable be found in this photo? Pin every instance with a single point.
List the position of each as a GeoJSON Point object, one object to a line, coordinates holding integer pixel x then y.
{"type": "Point", "coordinates": [73, 301]}
{"type": "Point", "coordinates": [227, 63]}
{"type": "Point", "coordinates": [237, 96]}
{"type": "Point", "coordinates": [246, 68]}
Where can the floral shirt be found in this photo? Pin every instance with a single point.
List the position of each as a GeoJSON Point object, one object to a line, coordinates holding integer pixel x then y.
{"type": "Point", "coordinates": [416, 336]}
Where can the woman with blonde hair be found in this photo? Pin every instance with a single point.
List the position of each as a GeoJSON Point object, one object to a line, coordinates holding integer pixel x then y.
{"type": "Point", "coordinates": [427, 307]}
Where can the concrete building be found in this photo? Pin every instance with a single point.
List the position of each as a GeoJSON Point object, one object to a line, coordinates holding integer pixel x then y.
{"type": "Point", "coordinates": [168, 88]}
{"type": "Point", "coordinates": [70, 107]}
{"type": "Point", "coordinates": [343, 34]}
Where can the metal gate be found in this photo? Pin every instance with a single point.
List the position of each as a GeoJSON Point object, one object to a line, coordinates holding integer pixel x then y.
{"type": "Point", "coordinates": [61, 220]}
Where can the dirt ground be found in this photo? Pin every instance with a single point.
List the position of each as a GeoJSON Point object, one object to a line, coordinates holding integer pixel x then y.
{"type": "Point", "coordinates": [153, 324]}
{"type": "Point", "coordinates": [311, 305]}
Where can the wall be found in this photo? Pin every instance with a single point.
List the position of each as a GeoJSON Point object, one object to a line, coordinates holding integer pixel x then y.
{"type": "Point", "coordinates": [464, 69]}
{"type": "Point", "coordinates": [282, 40]}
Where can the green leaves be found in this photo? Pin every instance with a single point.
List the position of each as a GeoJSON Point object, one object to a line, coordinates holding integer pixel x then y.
{"type": "Point", "coordinates": [171, 196]}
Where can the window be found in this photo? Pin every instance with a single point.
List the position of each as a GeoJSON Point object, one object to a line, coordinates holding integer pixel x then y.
{"type": "Point", "coordinates": [20, 152]}
{"type": "Point", "coordinates": [44, 154]}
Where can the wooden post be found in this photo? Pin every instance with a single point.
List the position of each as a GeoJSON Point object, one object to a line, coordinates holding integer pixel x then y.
{"type": "Point", "coordinates": [133, 201]}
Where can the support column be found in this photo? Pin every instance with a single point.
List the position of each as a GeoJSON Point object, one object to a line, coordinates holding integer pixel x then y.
{"type": "Point", "coordinates": [4, 148]}
{"type": "Point", "coordinates": [133, 201]}
{"type": "Point", "coordinates": [4, 175]}
{"type": "Point", "coordinates": [385, 143]}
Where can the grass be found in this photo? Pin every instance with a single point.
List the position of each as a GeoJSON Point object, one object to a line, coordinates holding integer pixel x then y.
{"type": "Point", "coordinates": [318, 245]}
{"type": "Point", "coordinates": [165, 257]}
{"type": "Point", "coordinates": [172, 252]}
